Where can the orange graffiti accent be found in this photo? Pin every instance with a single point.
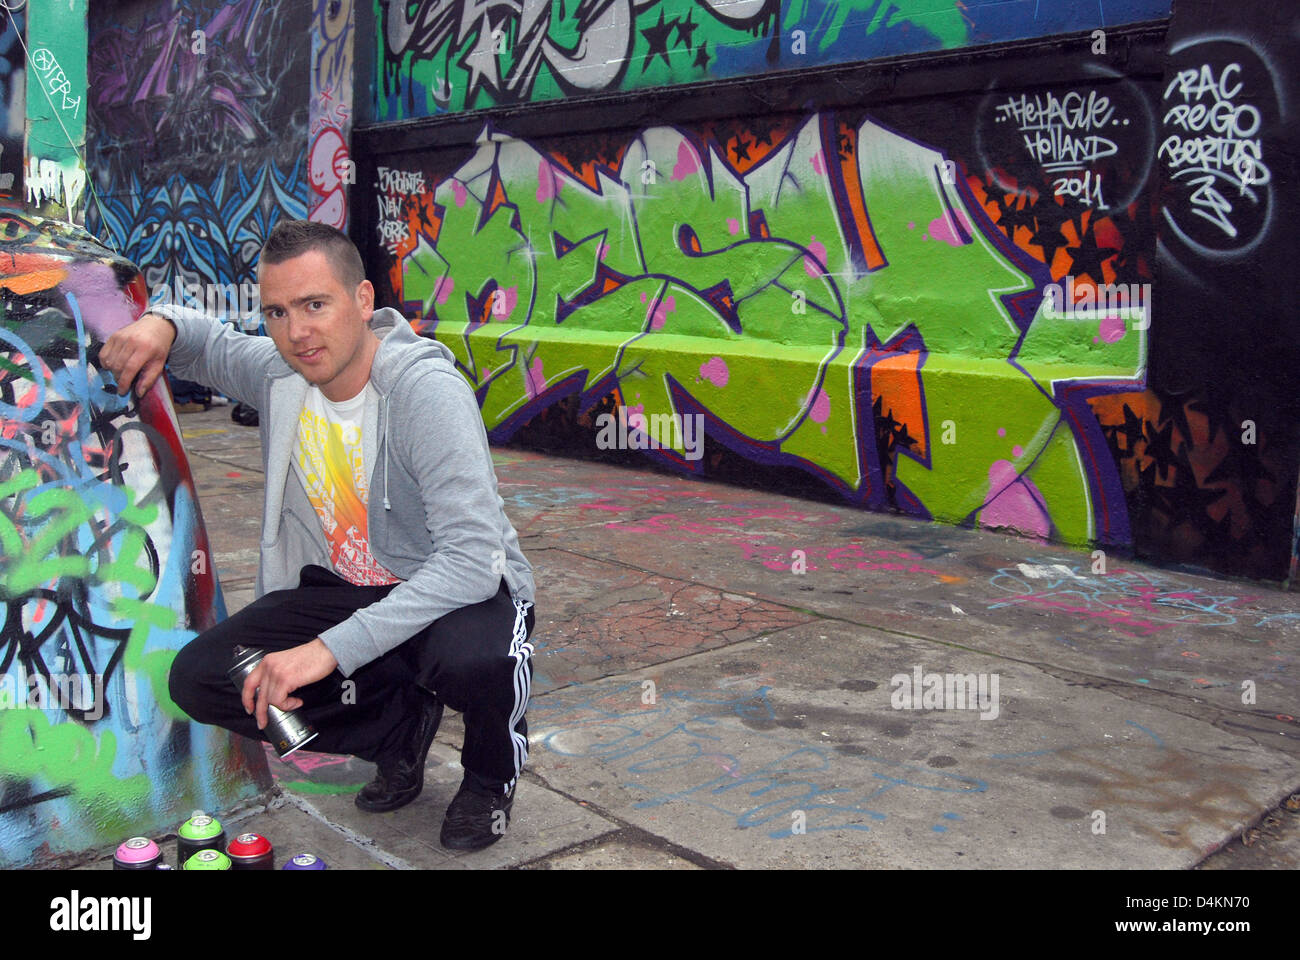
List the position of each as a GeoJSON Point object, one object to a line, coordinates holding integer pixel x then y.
{"type": "Point", "coordinates": [498, 199]}
{"type": "Point", "coordinates": [896, 379]}
{"type": "Point", "coordinates": [585, 172]}
{"type": "Point", "coordinates": [859, 222]}
{"type": "Point", "coordinates": [422, 217]}
{"type": "Point", "coordinates": [25, 283]}
{"type": "Point", "coordinates": [1022, 236]}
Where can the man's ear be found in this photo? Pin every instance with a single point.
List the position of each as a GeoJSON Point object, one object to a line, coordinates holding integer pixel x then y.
{"type": "Point", "coordinates": [366, 299]}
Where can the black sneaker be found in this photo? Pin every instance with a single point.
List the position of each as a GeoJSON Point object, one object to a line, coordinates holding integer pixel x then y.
{"type": "Point", "coordinates": [476, 820]}
{"type": "Point", "coordinates": [400, 779]}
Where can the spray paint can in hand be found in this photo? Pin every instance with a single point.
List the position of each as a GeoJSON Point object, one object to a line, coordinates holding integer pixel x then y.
{"type": "Point", "coordinates": [251, 851]}
{"type": "Point", "coordinates": [138, 853]}
{"type": "Point", "coordinates": [287, 730]}
{"type": "Point", "coordinates": [199, 832]}
{"type": "Point", "coordinates": [305, 861]}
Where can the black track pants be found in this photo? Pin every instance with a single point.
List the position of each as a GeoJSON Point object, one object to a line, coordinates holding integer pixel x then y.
{"type": "Point", "coordinates": [476, 659]}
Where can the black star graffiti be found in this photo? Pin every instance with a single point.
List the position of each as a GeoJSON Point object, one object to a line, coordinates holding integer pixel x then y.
{"type": "Point", "coordinates": [1160, 448]}
{"type": "Point", "coordinates": [1088, 258]}
{"type": "Point", "coordinates": [1016, 212]}
{"type": "Point", "coordinates": [740, 150]}
{"type": "Point", "coordinates": [1132, 429]}
{"type": "Point", "coordinates": [762, 131]}
{"type": "Point", "coordinates": [1242, 467]}
{"type": "Point", "coordinates": [1189, 500]}
{"type": "Point", "coordinates": [657, 37]}
{"type": "Point", "coordinates": [701, 56]}
{"type": "Point", "coordinates": [1171, 410]}
{"type": "Point", "coordinates": [1218, 415]}
{"type": "Point", "coordinates": [1049, 217]}
{"type": "Point", "coordinates": [684, 30]}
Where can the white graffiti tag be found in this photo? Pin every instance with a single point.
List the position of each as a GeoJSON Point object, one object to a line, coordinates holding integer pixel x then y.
{"type": "Point", "coordinates": [1215, 147]}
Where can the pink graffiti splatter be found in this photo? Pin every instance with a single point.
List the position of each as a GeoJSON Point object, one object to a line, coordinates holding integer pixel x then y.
{"type": "Point", "coordinates": [1017, 451]}
{"type": "Point", "coordinates": [715, 371]}
{"type": "Point", "coordinates": [1002, 431]}
{"type": "Point", "coordinates": [1016, 505]}
{"type": "Point", "coordinates": [814, 266]}
{"type": "Point", "coordinates": [819, 163]}
{"type": "Point", "coordinates": [534, 378]}
{"type": "Point", "coordinates": [659, 310]}
{"type": "Point", "coordinates": [636, 417]}
{"type": "Point", "coordinates": [821, 405]}
{"type": "Point", "coordinates": [941, 228]}
{"type": "Point", "coordinates": [604, 250]}
{"type": "Point", "coordinates": [548, 184]}
{"type": "Point", "coordinates": [459, 192]}
{"type": "Point", "coordinates": [733, 225]}
{"type": "Point", "coordinates": [1112, 329]}
{"type": "Point", "coordinates": [504, 300]}
{"type": "Point", "coordinates": [444, 288]}
{"type": "Point", "coordinates": [687, 161]}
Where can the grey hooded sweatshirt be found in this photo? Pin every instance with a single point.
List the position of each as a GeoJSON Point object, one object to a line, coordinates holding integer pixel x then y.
{"type": "Point", "coordinates": [435, 519]}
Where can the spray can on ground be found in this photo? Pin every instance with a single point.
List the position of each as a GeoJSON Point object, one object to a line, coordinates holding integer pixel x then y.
{"type": "Point", "coordinates": [207, 860]}
{"type": "Point", "coordinates": [287, 730]}
{"type": "Point", "coordinates": [199, 832]}
{"type": "Point", "coordinates": [138, 853]}
{"type": "Point", "coordinates": [251, 851]}
{"type": "Point", "coordinates": [305, 861]}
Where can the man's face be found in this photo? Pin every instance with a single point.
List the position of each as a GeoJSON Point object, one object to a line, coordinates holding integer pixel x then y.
{"type": "Point", "coordinates": [320, 327]}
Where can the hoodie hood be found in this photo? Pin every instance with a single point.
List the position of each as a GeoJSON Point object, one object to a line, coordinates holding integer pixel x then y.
{"type": "Point", "coordinates": [400, 347]}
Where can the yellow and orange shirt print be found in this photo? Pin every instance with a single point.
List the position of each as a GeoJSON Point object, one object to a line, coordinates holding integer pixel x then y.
{"type": "Point", "coordinates": [329, 462]}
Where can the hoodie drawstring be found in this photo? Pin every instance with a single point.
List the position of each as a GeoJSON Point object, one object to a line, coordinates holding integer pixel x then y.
{"type": "Point", "coordinates": [384, 440]}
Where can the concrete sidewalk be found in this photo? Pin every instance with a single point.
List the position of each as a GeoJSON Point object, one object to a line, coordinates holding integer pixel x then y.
{"type": "Point", "coordinates": [715, 686]}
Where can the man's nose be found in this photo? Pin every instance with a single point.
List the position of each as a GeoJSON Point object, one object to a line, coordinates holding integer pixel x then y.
{"type": "Point", "coordinates": [298, 328]}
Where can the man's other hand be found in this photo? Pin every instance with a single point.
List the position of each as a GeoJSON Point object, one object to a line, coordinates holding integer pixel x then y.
{"type": "Point", "coordinates": [138, 352]}
{"type": "Point", "coordinates": [280, 674]}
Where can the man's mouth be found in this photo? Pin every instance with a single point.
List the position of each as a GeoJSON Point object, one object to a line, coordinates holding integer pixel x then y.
{"type": "Point", "coordinates": [310, 356]}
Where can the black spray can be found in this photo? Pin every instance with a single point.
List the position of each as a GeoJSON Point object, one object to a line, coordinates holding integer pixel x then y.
{"type": "Point", "coordinates": [199, 832]}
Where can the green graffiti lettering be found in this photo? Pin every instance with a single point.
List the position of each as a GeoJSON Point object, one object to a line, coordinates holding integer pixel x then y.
{"type": "Point", "coordinates": [676, 290]}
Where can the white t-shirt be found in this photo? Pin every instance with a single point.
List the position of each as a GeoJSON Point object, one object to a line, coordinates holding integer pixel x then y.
{"type": "Point", "coordinates": [328, 460]}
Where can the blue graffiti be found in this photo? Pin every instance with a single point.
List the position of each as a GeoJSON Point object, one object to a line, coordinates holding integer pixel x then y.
{"type": "Point", "coordinates": [788, 795]}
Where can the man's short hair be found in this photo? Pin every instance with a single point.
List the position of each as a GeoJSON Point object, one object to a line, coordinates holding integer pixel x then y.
{"type": "Point", "coordinates": [292, 238]}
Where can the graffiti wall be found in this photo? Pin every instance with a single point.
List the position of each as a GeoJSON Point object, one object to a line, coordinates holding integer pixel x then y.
{"type": "Point", "coordinates": [56, 110]}
{"type": "Point", "coordinates": [199, 135]}
{"type": "Point", "coordinates": [437, 56]}
{"type": "Point", "coordinates": [104, 571]}
{"type": "Point", "coordinates": [939, 304]}
{"type": "Point", "coordinates": [328, 162]}
{"type": "Point", "coordinates": [13, 101]}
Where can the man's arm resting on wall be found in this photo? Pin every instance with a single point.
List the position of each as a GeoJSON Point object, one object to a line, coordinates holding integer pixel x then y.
{"type": "Point", "coordinates": [197, 346]}
{"type": "Point", "coordinates": [138, 352]}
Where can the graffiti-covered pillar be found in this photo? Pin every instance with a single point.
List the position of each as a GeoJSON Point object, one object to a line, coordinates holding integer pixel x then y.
{"type": "Point", "coordinates": [329, 166]}
{"type": "Point", "coordinates": [1227, 348]}
{"type": "Point", "coordinates": [105, 571]}
{"type": "Point", "coordinates": [13, 81]}
{"type": "Point", "coordinates": [56, 110]}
